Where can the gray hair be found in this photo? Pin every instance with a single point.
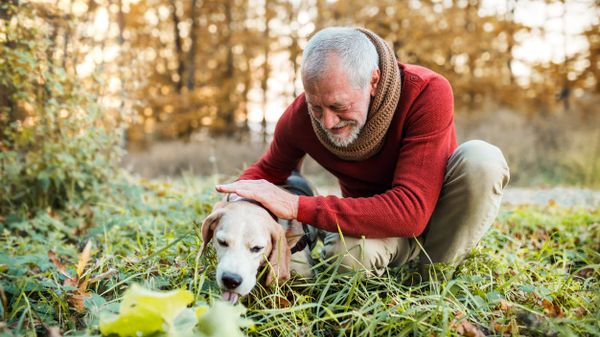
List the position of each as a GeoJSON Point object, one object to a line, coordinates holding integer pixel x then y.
{"type": "Point", "coordinates": [357, 54]}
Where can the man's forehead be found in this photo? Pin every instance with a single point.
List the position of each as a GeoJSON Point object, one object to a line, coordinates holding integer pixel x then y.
{"type": "Point", "coordinates": [326, 97]}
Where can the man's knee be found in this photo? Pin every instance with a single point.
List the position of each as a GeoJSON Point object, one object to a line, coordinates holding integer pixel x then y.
{"type": "Point", "coordinates": [472, 192]}
{"type": "Point", "coordinates": [359, 254]}
{"type": "Point", "coordinates": [482, 166]}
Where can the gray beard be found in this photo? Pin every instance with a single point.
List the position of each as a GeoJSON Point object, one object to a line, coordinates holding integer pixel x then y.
{"type": "Point", "coordinates": [342, 141]}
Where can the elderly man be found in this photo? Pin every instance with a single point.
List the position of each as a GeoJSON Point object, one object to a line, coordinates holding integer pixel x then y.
{"type": "Point", "coordinates": [386, 131]}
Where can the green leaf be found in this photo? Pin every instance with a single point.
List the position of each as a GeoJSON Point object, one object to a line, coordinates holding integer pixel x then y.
{"type": "Point", "coordinates": [184, 324]}
{"type": "Point", "coordinates": [494, 296]}
{"type": "Point", "coordinates": [527, 288]}
{"type": "Point", "coordinates": [44, 181]}
{"type": "Point", "coordinates": [222, 320]}
{"type": "Point", "coordinates": [144, 312]}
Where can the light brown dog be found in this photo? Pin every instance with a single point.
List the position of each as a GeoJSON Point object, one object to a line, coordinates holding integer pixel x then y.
{"type": "Point", "coordinates": [246, 237]}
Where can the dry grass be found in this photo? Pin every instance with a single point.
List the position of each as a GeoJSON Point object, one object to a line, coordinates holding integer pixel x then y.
{"type": "Point", "coordinates": [555, 150]}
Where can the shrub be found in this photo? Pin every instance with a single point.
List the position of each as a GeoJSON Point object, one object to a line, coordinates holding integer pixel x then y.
{"type": "Point", "coordinates": [58, 145]}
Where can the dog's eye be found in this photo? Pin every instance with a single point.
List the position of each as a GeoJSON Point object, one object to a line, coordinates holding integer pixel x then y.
{"type": "Point", "coordinates": [256, 249]}
{"type": "Point", "coordinates": [223, 243]}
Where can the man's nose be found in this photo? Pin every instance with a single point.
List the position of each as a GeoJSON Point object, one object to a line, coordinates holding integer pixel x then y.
{"type": "Point", "coordinates": [330, 119]}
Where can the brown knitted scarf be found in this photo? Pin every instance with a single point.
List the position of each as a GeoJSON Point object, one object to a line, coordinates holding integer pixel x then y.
{"type": "Point", "coordinates": [371, 138]}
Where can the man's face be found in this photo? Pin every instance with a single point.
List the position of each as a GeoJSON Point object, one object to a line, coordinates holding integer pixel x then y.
{"type": "Point", "coordinates": [340, 108]}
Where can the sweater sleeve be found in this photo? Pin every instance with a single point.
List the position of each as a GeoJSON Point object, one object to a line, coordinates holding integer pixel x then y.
{"type": "Point", "coordinates": [405, 209]}
{"type": "Point", "coordinates": [282, 156]}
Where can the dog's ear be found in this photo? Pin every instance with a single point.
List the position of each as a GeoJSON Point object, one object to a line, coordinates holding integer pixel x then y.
{"type": "Point", "coordinates": [209, 225]}
{"type": "Point", "coordinates": [279, 256]}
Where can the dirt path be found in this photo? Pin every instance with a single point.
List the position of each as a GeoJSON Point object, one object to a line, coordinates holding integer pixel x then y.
{"type": "Point", "coordinates": [562, 196]}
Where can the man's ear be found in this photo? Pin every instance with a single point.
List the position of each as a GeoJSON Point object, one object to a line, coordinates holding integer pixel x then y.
{"type": "Point", "coordinates": [279, 256]}
{"type": "Point", "coordinates": [375, 76]}
{"type": "Point", "coordinates": [208, 227]}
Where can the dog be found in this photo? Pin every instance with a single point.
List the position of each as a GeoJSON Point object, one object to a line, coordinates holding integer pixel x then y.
{"type": "Point", "coordinates": [246, 237]}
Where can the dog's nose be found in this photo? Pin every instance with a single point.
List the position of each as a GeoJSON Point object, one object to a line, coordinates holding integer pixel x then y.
{"type": "Point", "coordinates": [231, 280]}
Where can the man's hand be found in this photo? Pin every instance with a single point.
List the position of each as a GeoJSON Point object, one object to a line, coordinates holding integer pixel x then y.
{"type": "Point", "coordinates": [280, 202]}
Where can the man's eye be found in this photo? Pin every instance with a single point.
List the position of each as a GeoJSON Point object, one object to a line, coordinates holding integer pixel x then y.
{"type": "Point", "coordinates": [316, 111]}
{"type": "Point", "coordinates": [256, 249]}
{"type": "Point", "coordinates": [222, 243]}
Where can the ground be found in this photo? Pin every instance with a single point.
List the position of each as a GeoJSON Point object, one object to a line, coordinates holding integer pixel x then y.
{"type": "Point", "coordinates": [536, 273]}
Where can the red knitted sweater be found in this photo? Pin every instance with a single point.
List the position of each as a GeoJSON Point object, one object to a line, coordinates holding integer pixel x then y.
{"type": "Point", "coordinates": [391, 194]}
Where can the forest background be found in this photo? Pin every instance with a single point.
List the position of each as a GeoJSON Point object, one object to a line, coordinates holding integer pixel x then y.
{"type": "Point", "coordinates": [191, 79]}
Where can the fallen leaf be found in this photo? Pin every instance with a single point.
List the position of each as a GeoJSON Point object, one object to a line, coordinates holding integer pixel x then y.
{"type": "Point", "coordinates": [551, 309]}
{"type": "Point", "coordinates": [465, 328]}
{"type": "Point", "coordinates": [56, 261]}
{"type": "Point", "coordinates": [77, 298]}
{"type": "Point", "coordinates": [538, 238]}
{"type": "Point", "coordinates": [504, 329]}
{"type": "Point", "coordinates": [84, 257]}
{"type": "Point", "coordinates": [585, 272]}
{"type": "Point", "coordinates": [580, 311]}
{"type": "Point", "coordinates": [504, 305]}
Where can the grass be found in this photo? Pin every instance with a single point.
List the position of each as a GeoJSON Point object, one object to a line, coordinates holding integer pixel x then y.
{"type": "Point", "coordinates": [536, 273]}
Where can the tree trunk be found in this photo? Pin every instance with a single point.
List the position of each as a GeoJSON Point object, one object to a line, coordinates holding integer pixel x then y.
{"type": "Point", "coordinates": [228, 105]}
{"type": "Point", "coordinates": [294, 50]}
{"type": "Point", "coordinates": [66, 40]}
{"type": "Point", "coordinates": [565, 92]}
{"type": "Point", "coordinates": [266, 70]}
{"type": "Point", "coordinates": [247, 84]}
{"type": "Point", "coordinates": [510, 20]}
{"type": "Point", "coordinates": [192, 54]}
{"type": "Point", "coordinates": [178, 46]}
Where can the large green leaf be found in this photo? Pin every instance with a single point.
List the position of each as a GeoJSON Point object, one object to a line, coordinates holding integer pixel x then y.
{"type": "Point", "coordinates": [144, 312]}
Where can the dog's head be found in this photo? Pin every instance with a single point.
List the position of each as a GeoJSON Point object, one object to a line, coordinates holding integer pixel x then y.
{"type": "Point", "coordinates": [245, 238]}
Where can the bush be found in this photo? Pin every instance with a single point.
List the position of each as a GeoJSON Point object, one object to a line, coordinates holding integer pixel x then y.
{"type": "Point", "coordinates": [58, 146]}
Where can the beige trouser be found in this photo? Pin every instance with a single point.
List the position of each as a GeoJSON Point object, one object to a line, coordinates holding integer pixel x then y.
{"type": "Point", "coordinates": [468, 204]}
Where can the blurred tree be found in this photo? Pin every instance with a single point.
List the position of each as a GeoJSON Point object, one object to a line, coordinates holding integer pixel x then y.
{"type": "Point", "coordinates": [590, 76]}
{"type": "Point", "coordinates": [187, 65]}
{"type": "Point", "coordinates": [266, 67]}
{"type": "Point", "coordinates": [191, 79]}
{"type": "Point", "coordinates": [177, 37]}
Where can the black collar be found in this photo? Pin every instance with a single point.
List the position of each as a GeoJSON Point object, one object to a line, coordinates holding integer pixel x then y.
{"type": "Point", "coordinates": [303, 242]}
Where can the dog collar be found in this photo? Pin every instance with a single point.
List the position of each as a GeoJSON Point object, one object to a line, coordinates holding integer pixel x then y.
{"type": "Point", "coordinates": [302, 243]}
